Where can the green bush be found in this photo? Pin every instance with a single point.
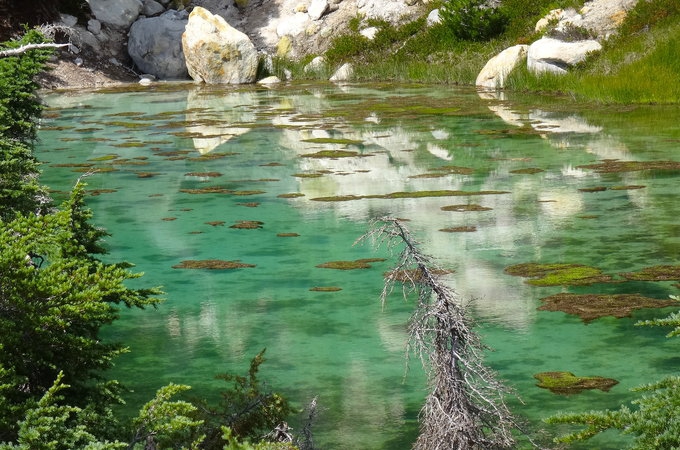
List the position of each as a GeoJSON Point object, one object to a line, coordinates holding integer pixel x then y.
{"type": "Point", "coordinates": [472, 20]}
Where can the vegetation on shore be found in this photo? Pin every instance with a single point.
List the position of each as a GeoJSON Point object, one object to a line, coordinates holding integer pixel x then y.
{"type": "Point", "coordinates": [638, 65]}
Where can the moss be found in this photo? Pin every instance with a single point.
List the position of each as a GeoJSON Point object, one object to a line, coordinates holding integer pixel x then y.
{"type": "Point", "coordinates": [207, 190]}
{"type": "Point", "coordinates": [247, 225]}
{"type": "Point", "coordinates": [325, 289]}
{"type": "Point", "coordinates": [567, 383]}
{"type": "Point", "coordinates": [461, 229]}
{"type": "Point", "coordinates": [616, 166]}
{"type": "Point", "coordinates": [246, 193]}
{"type": "Point", "coordinates": [291, 195]}
{"type": "Point", "coordinates": [348, 265]}
{"type": "Point", "coordinates": [415, 194]}
{"type": "Point", "coordinates": [307, 175]}
{"type": "Point", "coordinates": [527, 171]}
{"type": "Point", "coordinates": [654, 273]}
{"type": "Point", "coordinates": [96, 192]}
{"type": "Point", "coordinates": [203, 174]}
{"type": "Point", "coordinates": [109, 157]}
{"type": "Point", "coordinates": [558, 274]}
{"type": "Point", "coordinates": [340, 141]}
{"type": "Point", "coordinates": [593, 189]}
{"type": "Point", "coordinates": [463, 208]}
{"type": "Point", "coordinates": [212, 264]}
{"type": "Point", "coordinates": [627, 187]}
{"type": "Point", "coordinates": [594, 306]}
{"type": "Point", "coordinates": [330, 154]}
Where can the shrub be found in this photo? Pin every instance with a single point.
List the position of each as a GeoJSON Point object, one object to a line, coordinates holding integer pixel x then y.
{"type": "Point", "coordinates": [472, 20]}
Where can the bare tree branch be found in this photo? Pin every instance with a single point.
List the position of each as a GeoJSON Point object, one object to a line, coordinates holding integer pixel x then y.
{"type": "Point", "coordinates": [465, 408]}
{"type": "Point", "coordinates": [28, 47]}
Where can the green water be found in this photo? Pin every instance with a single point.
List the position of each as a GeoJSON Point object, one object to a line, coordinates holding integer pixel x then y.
{"type": "Point", "coordinates": [343, 346]}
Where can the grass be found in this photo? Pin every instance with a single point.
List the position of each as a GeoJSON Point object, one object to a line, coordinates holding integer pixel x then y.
{"type": "Point", "coordinates": [639, 65]}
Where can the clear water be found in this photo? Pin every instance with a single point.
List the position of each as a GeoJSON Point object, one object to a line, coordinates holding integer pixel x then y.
{"type": "Point", "coordinates": [342, 346]}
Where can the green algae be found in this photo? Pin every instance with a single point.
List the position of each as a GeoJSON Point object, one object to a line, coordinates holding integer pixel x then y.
{"type": "Point", "coordinates": [249, 204]}
{"type": "Point", "coordinates": [527, 171]}
{"type": "Point", "coordinates": [594, 306]}
{"type": "Point", "coordinates": [129, 145]}
{"type": "Point", "coordinates": [147, 174]}
{"type": "Point", "coordinates": [325, 289]}
{"type": "Point", "coordinates": [108, 157]}
{"type": "Point", "coordinates": [215, 223]}
{"type": "Point", "coordinates": [566, 383]}
{"type": "Point", "coordinates": [247, 225]}
{"type": "Point", "coordinates": [203, 174]}
{"type": "Point", "coordinates": [593, 189]}
{"type": "Point", "coordinates": [287, 235]}
{"type": "Point", "coordinates": [330, 154]}
{"type": "Point", "coordinates": [415, 194]}
{"type": "Point", "coordinates": [654, 273]}
{"type": "Point", "coordinates": [291, 195]}
{"type": "Point", "coordinates": [340, 141]}
{"type": "Point", "coordinates": [412, 275]}
{"type": "Point", "coordinates": [558, 274]}
{"type": "Point", "coordinates": [443, 171]}
{"type": "Point", "coordinates": [350, 265]}
{"type": "Point", "coordinates": [212, 264]}
{"type": "Point", "coordinates": [464, 208]}
{"type": "Point", "coordinates": [308, 175]}
{"type": "Point", "coordinates": [616, 166]}
{"type": "Point", "coordinates": [461, 229]}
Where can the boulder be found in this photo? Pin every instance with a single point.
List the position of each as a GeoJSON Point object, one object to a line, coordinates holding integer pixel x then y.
{"type": "Point", "coordinates": [155, 45]}
{"type": "Point", "coordinates": [316, 65]}
{"type": "Point", "coordinates": [497, 68]}
{"type": "Point", "coordinates": [215, 52]}
{"type": "Point", "coordinates": [152, 8]}
{"type": "Point", "coordinates": [119, 13]}
{"type": "Point", "coordinates": [555, 56]}
{"type": "Point", "coordinates": [317, 9]}
{"type": "Point", "coordinates": [344, 73]}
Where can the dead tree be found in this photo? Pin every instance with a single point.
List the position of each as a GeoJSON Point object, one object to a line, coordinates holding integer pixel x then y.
{"type": "Point", "coordinates": [465, 408]}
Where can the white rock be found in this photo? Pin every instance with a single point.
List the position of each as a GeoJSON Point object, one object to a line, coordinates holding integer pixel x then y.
{"type": "Point", "coordinates": [155, 45]}
{"type": "Point", "coordinates": [317, 9]}
{"type": "Point", "coordinates": [316, 65]}
{"type": "Point", "coordinates": [293, 25]}
{"type": "Point", "coordinates": [215, 52]}
{"type": "Point", "coordinates": [270, 80]}
{"type": "Point", "coordinates": [120, 13]}
{"type": "Point", "coordinates": [344, 73]}
{"type": "Point", "coordinates": [497, 68]}
{"type": "Point", "coordinates": [543, 22]}
{"type": "Point", "coordinates": [555, 56]}
{"type": "Point", "coordinates": [369, 33]}
{"type": "Point", "coordinates": [433, 18]}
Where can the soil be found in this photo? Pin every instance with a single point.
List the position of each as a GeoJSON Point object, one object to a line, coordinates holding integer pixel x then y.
{"type": "Point", "coordinates": [69, 71]}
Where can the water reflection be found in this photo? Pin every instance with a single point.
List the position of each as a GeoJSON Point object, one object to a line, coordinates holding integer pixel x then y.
{"type": "Point", "coordinates": [160, 149]}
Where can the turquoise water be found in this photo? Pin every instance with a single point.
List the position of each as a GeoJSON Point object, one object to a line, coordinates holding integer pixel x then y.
{"type": "Point", "coordinates": [155, 147]}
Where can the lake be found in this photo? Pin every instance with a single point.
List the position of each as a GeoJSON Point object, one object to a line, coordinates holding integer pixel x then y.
{"type": "Point", "coordinates": [283, 180]}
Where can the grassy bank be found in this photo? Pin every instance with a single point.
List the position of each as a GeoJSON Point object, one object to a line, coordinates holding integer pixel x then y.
{"type": "Point", "coordinates": [639, 65]}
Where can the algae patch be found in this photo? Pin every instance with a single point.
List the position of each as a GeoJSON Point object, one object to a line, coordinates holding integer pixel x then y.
{"type": "Point", "coordinates": [654, 273]}
{"type": "Point", "coordinates": [558, 274]}
{"type": "Point", "coordinates": [566, 383]}
{"type": "Point", "coordinates": [350, 265]}
{"type": "Point", "coordinates": [594, 306]}
{"type": "Point", "coordinates": [212, 264]}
